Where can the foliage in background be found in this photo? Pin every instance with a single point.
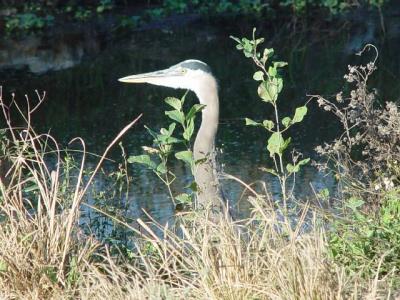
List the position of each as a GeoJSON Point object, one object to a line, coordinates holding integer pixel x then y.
{"type": "Point", "coordinates": [258, 8]}
{"type": "Point", "coordinates": [37, 15]}
{"type": "Point", "coordinates": [32, 16]}
{"type": "Point", "coordinates": [300, 7]}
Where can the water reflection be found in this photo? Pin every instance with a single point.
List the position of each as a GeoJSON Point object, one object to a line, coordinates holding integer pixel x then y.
{"type": "Point", "coordinates": [41, 54]}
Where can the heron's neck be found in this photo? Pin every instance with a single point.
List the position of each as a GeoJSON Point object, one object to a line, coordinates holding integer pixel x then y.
{"type": "Point", "coordinates": [204, 143]}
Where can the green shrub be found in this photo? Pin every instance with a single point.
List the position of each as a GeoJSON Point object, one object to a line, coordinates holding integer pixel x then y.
{"type": "Point", "coordinates": [269, 89]}
{"type": "Point", "coordinates": [364, 159]}
{"type": "Point", "coordinates": [368, 242]}
{"type": "Point", "coordinates": [27, 21]}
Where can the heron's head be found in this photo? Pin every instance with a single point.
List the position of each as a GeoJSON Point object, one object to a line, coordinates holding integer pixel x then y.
{"type": "Point", "coordinates": [191, 74]}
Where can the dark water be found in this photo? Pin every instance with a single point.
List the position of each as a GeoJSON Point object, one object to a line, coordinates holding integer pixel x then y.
{"type": "Point", "coordinates": [79, 71]}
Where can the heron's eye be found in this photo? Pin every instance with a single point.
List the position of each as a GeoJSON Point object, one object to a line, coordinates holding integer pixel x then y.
{"type": "Point", "coordinates": [183, 70]}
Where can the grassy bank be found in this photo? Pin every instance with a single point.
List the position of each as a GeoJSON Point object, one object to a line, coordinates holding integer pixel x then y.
{"type": "Point", "coordinates": [45, 255]}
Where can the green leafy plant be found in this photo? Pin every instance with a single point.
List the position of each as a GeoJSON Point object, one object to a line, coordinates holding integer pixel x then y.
{"type": "Point", "coordinates": [27, 21]}
{"type": "Point", "coordinates": [269, 88]}
{"type": "Point", "coordinates": [129, 22]}
{"type": "Point", "coordinates": [300, 7]}
{"type": "Point", "coordinates": [176, 6]}
{"type": "Point", "coordinates": [365, 237]}
{"type": "Point", "coordinates": [155, 13]}
{"type": "Point", "coordinates": [365, 242]}
{"type": "Point", "coordinates": [157, 157]}
{"type": "Point", "coordinates": [104, 5]}
{"type": "Point", "coordinates": [82, 14]}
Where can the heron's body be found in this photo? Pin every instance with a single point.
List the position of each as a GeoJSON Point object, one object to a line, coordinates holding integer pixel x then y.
{"type": "Point", "coordinates": [196, 76]}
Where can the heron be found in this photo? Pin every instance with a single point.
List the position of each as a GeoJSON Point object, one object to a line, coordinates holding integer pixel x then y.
{"type": "Point", "coordinates": [196, 76]}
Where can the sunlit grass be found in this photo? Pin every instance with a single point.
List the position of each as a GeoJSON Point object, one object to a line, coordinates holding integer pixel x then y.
{"type": "Point", "coordinates": [44, 254]}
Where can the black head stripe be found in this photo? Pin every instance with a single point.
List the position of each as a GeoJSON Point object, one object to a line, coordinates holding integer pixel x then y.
{"type": "Point", "coordinates": [196, 65]}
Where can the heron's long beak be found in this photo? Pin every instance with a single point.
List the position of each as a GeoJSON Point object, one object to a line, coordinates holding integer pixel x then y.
{"type": "Point", "coordinates": [151, 77]}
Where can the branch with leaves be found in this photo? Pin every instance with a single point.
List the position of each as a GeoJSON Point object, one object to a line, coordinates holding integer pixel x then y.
{"type": "Point", "coordinates": [164, 144]}
{"type": "Point", "coordinates": [269, 88]}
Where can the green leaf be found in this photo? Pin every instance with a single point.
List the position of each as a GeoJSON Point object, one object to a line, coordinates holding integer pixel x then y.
{"type": "Point", "coordinates": [161, 168]}
{"type": "Point", "coordinates": [303, 162]}
{"type": "Point", "coordinates": [187, 134]}
{"type": "Point", "coordinates": [299, 114]}
{"type": "Point", "coordinates": [194, 110]}
{"type": "Point", "coordinates": [259, 75]}
{"type": "Point", "coordinates": [324, 193]}
{"type": "Point", "coordinates": [354, 203]}
{"type": "Point", "coordinates": [143, 159]}
{"type": "Point", "coordinates": [31, 188]}
{"type": "Point", "coordinates": [272, 71]}
{"type": "Point", "coordinates": [171, 128]}
{"type": "Point", "coordinates": [279, 64]}
{"type": "Point", "coordinates": [296, 168]}
{"type": "Point", "coordinates": [250, 122]}
{"type": "Point", "coordinates": [239, 47]}
{"type": "Point", "coordinates": [247, 54]}
{"type": "Point", "coordinates": [186, 156]}
{"type": "Point", "coordinates": [291, 169]}
{"type": "Point", "coordinates": [248, 47]}
{"type": "Point", "coordinates": [259, 41]}
{"type": "Point", "coordinates": [268, 91]}
{"type": "Point", "coordinates": [167, 140]}
{"type": "Point", "coordinates": [269, 51]}
{"type": "Point", "coordinates": [174, 102]}
{"type": "Point", "coordinates": [279, 84]}
{"type": "Point", "coordinates": [286, 121]}
{"type": "Point", "coordinates": [269, 170]}
{"type": "Point", "coordinates": [176, 115]}
{"type": "Point", "coordinates": [266, 54]}
{"type": "Point", "coordinates": [164, 132]}
{"type": "Point", "coordinates": [286, 144]}
{"type": "Point", "coordinates": [275, 144]}
{"type": "Point", "coordinates": [183, 198]}
{"type": "Point", "coordinates": [273, 90]}
{"type": "Point", "coordinates": [268, 124]}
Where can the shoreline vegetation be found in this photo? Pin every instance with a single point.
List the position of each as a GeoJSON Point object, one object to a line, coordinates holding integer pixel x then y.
{"type": "Point", "coordinates": [341, 246]}
{"type": "Point", "coordinates": [21, 17]}
{"type": "Point", "coordinates": [291, 249]}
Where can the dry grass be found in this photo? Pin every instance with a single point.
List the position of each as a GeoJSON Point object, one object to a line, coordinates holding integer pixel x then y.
{"type": "Point", "coordinates": [44, 255]}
